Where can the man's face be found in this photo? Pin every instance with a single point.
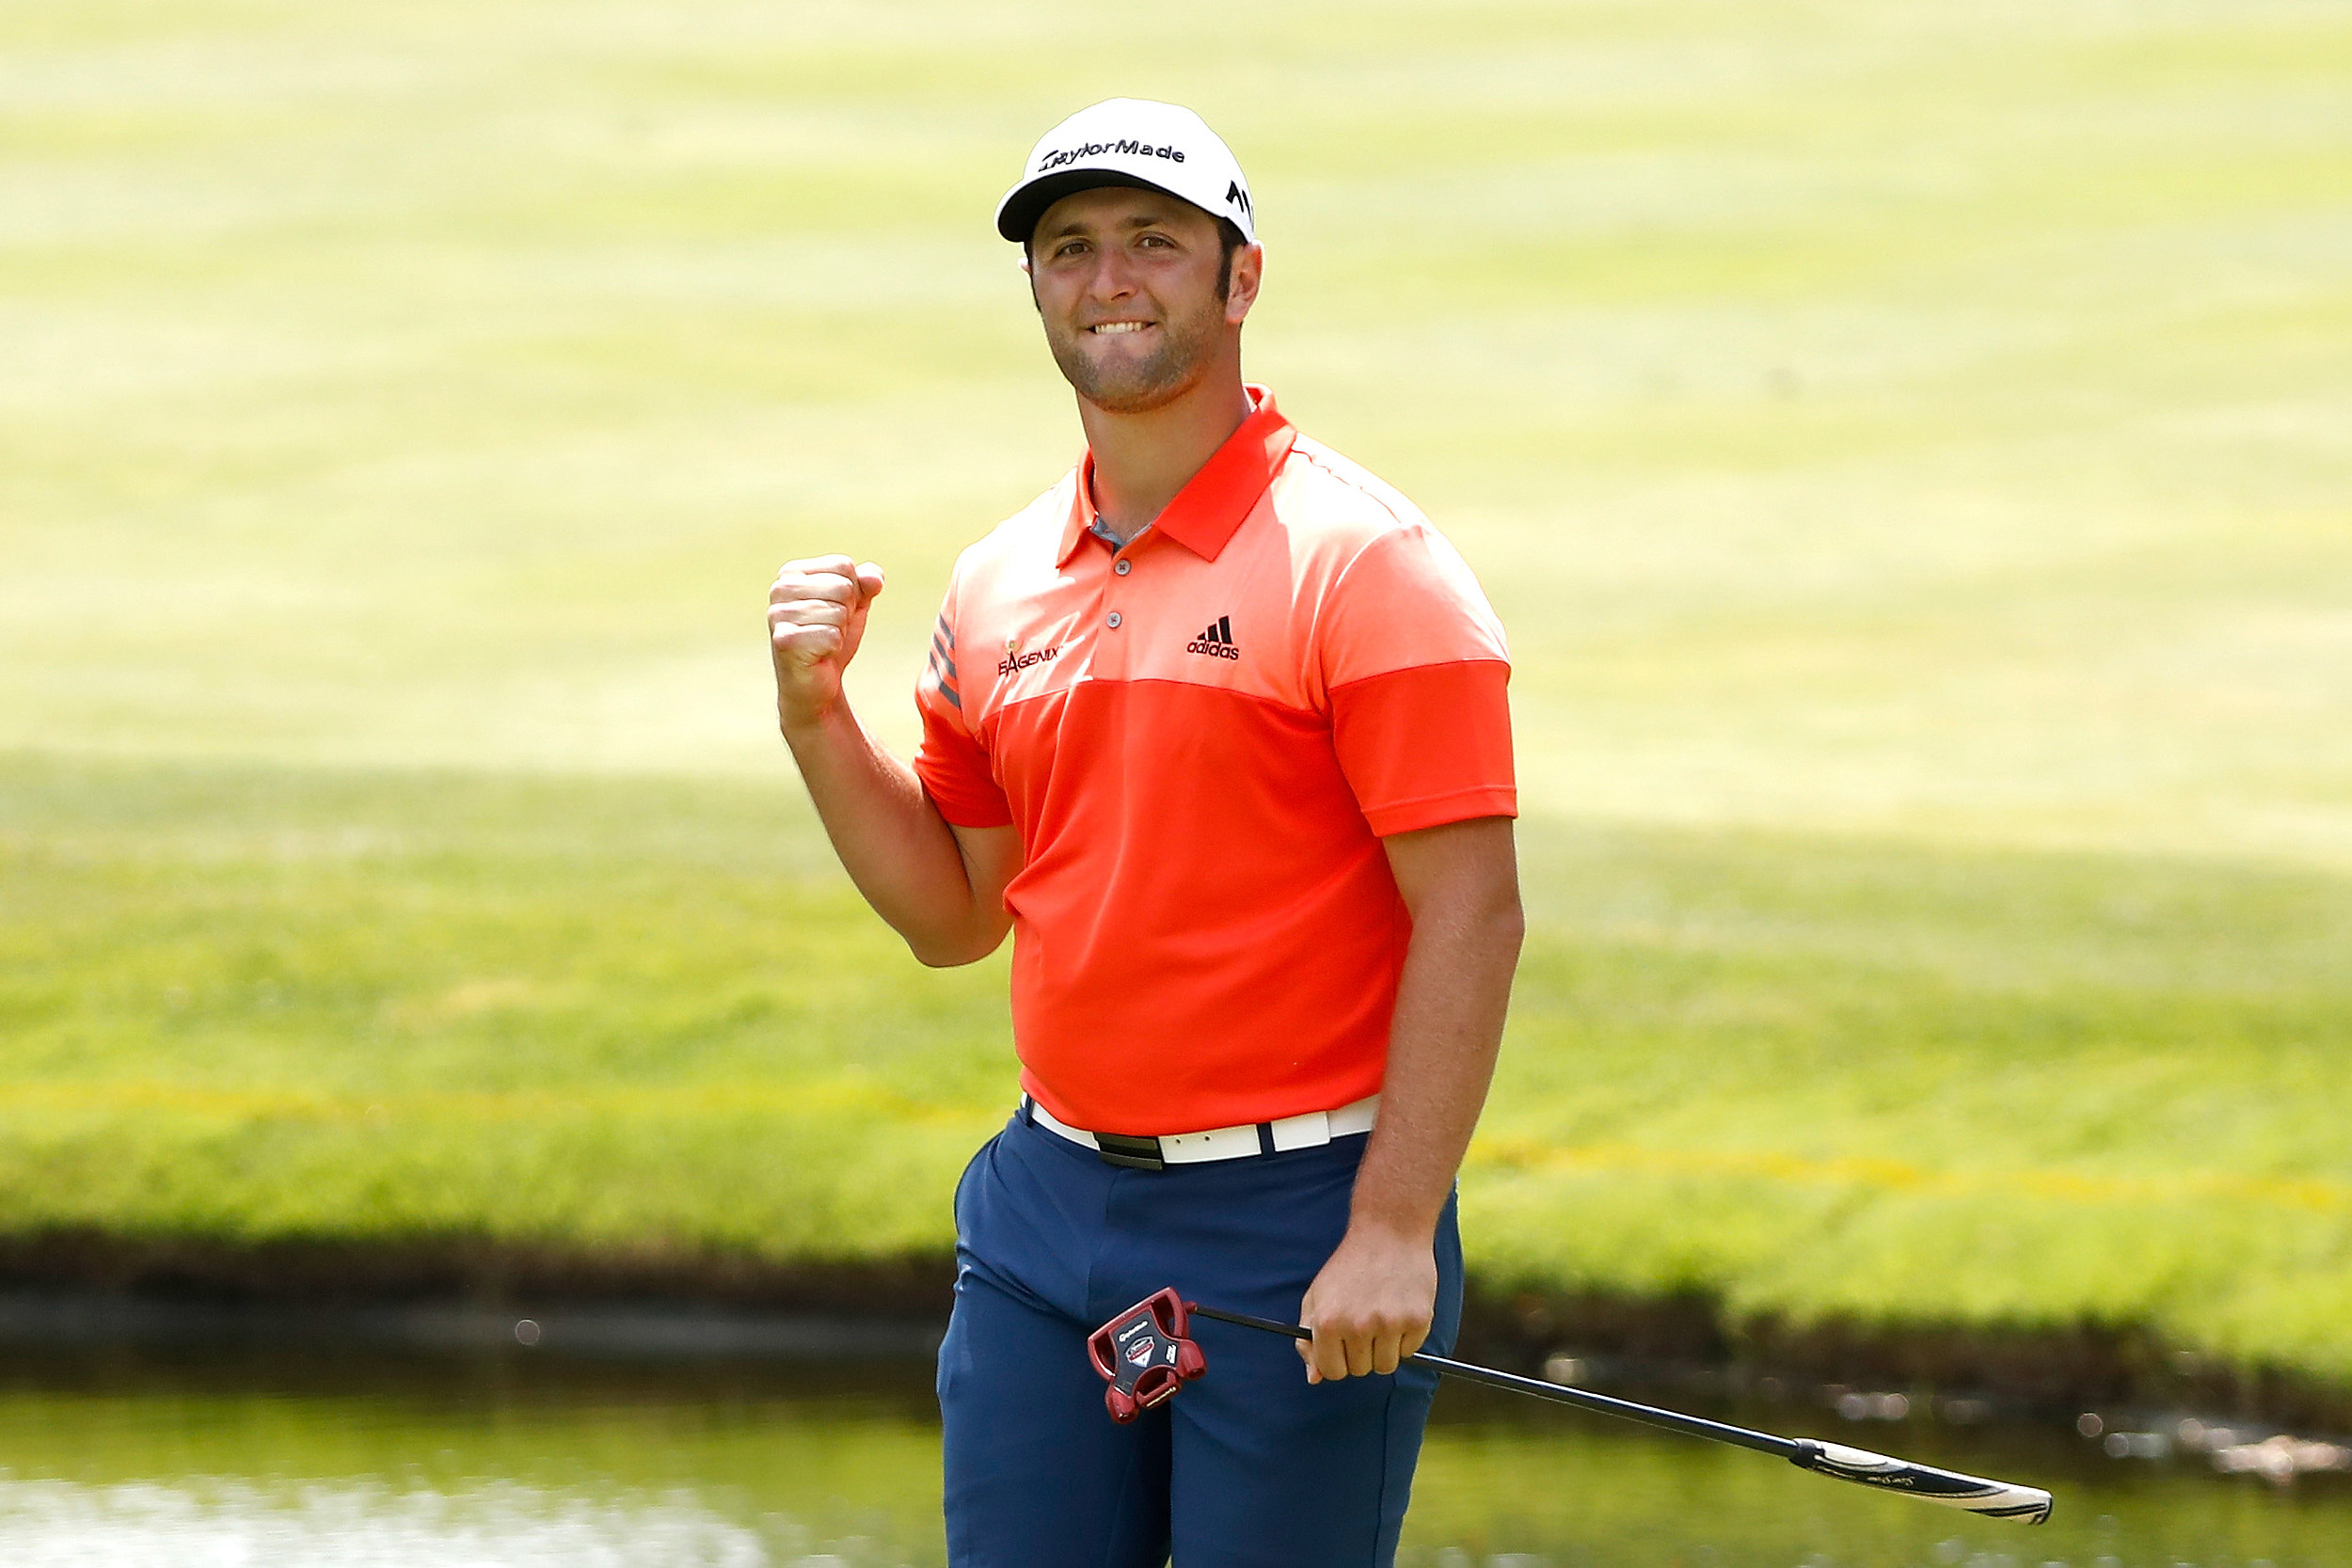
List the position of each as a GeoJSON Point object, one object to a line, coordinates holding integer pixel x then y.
{"type": "Point", "coordinates": [1126, 284]}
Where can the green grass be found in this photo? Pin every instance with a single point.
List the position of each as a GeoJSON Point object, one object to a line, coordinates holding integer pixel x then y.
{"type": "Point", "coordinates": [1814, 1077]}
{"type": "Point", "coordinates": [1822, 1078]}
{"type": "Point", "coordinates": [1907, 445]}
{"type": "Point", "coordinates": [626, 1015]}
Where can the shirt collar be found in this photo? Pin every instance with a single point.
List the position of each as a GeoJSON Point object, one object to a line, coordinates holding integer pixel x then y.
{"type": "Point", "coordinates": [1214, 503]}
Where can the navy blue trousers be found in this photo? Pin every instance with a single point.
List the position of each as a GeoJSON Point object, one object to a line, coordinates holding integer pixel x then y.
{"type": "Point", "coordinates": [1249, 1466]}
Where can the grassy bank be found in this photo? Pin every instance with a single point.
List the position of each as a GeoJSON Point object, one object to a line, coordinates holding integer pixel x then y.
{"type": "Point", "coordinates": [375, 1007]}
{"type": "Point", "coordinates": [1809, 1078]}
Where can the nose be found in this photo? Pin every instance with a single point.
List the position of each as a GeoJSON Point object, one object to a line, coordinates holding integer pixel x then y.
{"type": "Point", "coordinates": [1114, 277]}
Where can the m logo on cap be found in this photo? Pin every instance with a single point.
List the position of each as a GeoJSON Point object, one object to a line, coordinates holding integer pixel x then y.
{"type": "Point", "coordinates": [1239, 198]}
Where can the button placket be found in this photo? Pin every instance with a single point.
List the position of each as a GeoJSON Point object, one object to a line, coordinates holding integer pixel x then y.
{"type": "Point", "coordinates": [1106, 657]}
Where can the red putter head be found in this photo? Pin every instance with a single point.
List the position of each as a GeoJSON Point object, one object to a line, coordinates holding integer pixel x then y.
{"type": "Point", "coordinates": [1145, 1355]}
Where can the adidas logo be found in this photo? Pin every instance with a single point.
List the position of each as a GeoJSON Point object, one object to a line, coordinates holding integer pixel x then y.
{"type": "Point", "coordinates": [1218, 642]}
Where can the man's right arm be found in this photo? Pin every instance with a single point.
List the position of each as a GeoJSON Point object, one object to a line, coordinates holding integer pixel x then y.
{"type": "Point", "coordinates": [940, 886]}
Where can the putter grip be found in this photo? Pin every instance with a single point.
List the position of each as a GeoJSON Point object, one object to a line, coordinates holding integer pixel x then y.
{"type": "Point", "coordinates": [1997, 1499]}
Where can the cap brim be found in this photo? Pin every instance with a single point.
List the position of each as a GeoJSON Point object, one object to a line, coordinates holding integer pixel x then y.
{"type": "Point", "coordinates": [1017, 215]}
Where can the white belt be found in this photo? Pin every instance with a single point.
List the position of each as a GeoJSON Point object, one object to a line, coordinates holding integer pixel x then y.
{"type": "Point", "coordinates": [1310, 1130]}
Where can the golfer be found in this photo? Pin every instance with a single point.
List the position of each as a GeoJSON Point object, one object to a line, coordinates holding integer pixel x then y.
{"type": "Point", "coordinates": [1216, 728]}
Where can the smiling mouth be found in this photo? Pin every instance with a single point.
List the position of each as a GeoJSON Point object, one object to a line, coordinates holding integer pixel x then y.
{"type": "Point", "coordinates": [1105, 329]}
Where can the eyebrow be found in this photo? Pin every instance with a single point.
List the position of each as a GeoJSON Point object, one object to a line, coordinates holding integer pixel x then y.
{"type": "Point", "coordinates": [1073, 226]}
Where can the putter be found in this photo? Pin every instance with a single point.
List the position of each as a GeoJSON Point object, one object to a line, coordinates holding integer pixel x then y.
{"type": "Point", "coordinates": [1146, 1353]}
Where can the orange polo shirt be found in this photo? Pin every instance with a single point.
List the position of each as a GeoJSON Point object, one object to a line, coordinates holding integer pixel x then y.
{"type": "Point", "coordinates": [1202, 738]}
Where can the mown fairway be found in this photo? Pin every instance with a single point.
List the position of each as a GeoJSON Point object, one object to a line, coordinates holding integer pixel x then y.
{"type": "Point", "coordinates": [1909, 446]}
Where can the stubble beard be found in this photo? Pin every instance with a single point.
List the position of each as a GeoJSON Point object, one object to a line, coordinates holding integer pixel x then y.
{"type": "Point", "coordinates": [1140, 385]}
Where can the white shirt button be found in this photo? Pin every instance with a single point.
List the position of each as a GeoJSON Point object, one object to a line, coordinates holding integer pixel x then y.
{"type": "Point", "coordinates": [1122, 567]}
{"type": "Point", "coordinates": [1112, 620]}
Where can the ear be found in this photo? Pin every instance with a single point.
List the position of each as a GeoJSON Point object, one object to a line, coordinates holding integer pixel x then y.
{"type": "Point", "coordinates": [1248, 273]}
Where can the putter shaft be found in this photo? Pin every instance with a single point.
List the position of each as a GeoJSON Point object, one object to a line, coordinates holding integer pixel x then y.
{"type": "Point", "coordinates": [1997, 1499]}
{"type": "Point", "coordinates": [1721, 1432]}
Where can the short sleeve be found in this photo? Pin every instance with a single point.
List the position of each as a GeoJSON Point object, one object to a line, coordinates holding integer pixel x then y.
{"type": "Point", "coordinates": [1417, 674]}
{"type": "Point", "coordinates": [950, 762]}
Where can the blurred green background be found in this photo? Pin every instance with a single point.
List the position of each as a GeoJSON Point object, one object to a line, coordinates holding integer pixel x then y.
{"type": "Point", "coordinates": [1910, 446]}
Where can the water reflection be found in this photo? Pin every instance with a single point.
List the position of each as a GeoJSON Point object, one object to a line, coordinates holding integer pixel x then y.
{"type": "Point", "coordinates": [367, 1524]}
{"type": "Point", "coordinates": [305, 1460]}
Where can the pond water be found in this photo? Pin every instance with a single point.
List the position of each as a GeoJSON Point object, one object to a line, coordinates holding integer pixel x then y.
{"type": "Point", "coordinates": [133, 1459]}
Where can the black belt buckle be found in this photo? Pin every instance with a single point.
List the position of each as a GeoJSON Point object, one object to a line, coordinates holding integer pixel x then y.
{"type": "Point", "coordinates": [1117, 1148]}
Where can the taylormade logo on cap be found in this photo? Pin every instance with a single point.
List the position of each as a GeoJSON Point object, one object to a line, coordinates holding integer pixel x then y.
{"type": "Point", "coordinates": [1096, 149]}
{"type": "Point", "coordinates": [1129, 141]}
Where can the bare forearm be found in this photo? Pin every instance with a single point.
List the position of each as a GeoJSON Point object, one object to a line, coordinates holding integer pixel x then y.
{"type": "Point", "coordinates": [1375, 1299]}
{"type": "Point", "coordinates": [893, 842]}
{"type": "Point", "coordinates": [1448, 1026]}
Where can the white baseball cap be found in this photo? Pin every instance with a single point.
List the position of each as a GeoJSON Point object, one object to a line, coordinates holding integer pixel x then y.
{"type": "Point", "coordinates": [1129, 141]}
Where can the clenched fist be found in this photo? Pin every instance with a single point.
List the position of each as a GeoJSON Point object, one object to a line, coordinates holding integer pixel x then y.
{"type": "Point", "coordinates": [815, 617]}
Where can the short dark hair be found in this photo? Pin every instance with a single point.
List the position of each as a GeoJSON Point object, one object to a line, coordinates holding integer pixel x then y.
{"type": "Point", "coordinates": [1229, 238]}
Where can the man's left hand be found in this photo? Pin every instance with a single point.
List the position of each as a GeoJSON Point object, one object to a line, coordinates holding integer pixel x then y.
{"type": "Point", "coordinates": [1371, 1306]}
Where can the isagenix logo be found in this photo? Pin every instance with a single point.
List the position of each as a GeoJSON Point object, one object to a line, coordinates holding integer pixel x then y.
{"type": "Point", "coordinates": [1097, 149]}
{"type": "Point", "coordinates": [1013, 664]}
